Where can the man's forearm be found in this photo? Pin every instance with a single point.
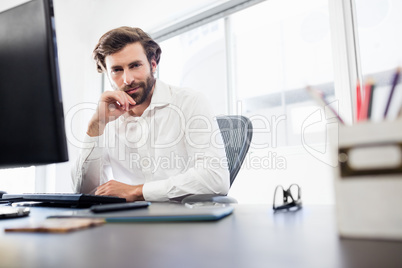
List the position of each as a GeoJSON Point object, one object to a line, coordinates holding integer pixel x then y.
{"type": "Point", "coordinates": [86, 171]}
{"type": "Point", "coordinates": [95, 128]}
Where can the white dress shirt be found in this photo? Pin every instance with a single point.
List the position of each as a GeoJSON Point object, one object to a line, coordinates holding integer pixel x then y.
{"type": "Point", "coordinates": [174, 148]}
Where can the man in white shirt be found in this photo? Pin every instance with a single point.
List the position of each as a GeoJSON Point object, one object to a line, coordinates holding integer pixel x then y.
{"type": "Point", "coordinates": [147, 140]}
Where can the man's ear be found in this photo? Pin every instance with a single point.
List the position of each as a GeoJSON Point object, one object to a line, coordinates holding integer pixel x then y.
{"type": "Point", "coordinates": [154, 65]}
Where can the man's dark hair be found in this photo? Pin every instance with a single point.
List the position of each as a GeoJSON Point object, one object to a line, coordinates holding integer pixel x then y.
{"type": "Point", "coordinates": [116, 39]}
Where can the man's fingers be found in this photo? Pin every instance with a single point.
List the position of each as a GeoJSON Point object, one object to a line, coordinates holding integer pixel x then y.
{"type": "Point", "coordinates": [112, 107]}
{"type": "Point", "coordinates": [101, 191]}
{"type": "Point", "coordinates": [125, 100]}
{"type": "Point", "coordinates": [121, 99]}
{"type": "Point", "coordinates": [131, 100]}
{"type": "Point", "coordinates": [105, 188]}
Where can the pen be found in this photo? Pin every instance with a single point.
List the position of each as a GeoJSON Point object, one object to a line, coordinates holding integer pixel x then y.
{"type": "Point", "coordinates": [319, 97]}
{"type": "Point", "coordinates": [358, 101]}
{"type": "Point", "coordinates": [394, 83]}
{"type": "Point", "coordinates": [365, 106]}
{"type": "Point", "coordinates": [370, 88]}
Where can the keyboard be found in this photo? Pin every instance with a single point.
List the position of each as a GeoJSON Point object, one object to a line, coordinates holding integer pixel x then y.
{"type": "Point", "coordinates": [64, 199]}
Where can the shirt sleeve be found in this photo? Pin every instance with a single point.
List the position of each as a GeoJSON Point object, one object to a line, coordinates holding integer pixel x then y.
{"type": "Point", "coordinates": [209, 173]}
{"type": "Point", "coordinates": [89, 170]}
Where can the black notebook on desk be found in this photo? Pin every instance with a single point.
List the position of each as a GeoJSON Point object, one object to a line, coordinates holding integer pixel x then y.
{"type": "Point", "coordinates": [63, 199]}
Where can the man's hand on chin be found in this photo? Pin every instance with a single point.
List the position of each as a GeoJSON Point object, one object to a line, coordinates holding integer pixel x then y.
{"type": "Point", "coordinates": [114, 188]}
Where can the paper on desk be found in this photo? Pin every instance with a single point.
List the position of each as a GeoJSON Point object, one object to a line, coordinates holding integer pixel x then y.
{"type": "Point", "coordinates": [58, 225]}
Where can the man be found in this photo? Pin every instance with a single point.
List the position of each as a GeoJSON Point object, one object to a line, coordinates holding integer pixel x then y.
{"type": "Point", "coordinates": [147, 140]}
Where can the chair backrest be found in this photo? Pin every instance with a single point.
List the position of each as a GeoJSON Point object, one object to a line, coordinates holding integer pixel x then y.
{"type": "Point", "coordinates": [237, 132]}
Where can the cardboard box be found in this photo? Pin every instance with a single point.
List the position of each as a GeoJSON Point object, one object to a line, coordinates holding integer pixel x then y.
{"type": "Point", "coordinates": [368, 180]}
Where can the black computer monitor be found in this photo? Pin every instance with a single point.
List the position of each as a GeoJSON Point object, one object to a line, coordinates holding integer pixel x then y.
{"type": "Point", "coordinates": [32, 130]}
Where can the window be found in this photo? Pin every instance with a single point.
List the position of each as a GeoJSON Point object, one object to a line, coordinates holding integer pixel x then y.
{"type": "Point", "coordinates": [196, 59]}
{"type": "Point", "coordinates": [280, 51]}
{"type": "Point", "coordinates": [274, 53]}
{"type": "Point", "coordinates": [379, 26]}
{"type": "Point", "coordinates": [18, 180]}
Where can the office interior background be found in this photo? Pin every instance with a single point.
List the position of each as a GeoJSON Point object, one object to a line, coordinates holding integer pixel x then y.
{"type": "Point", "coordinates": [249, 57]}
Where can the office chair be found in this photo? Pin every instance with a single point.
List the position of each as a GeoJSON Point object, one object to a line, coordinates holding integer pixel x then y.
{"type": "Point", "coordinates": [237, 132]}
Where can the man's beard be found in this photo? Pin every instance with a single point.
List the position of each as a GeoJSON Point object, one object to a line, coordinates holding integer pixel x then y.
{"type": "Point", "coordinates": [141, 96]}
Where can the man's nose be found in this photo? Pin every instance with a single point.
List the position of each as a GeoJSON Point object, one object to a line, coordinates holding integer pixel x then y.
{"type": "Point", "coordinates": [128, 78]}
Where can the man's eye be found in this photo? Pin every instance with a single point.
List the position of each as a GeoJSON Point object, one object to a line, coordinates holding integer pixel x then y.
{"type": "Point", "coordinates": [136, 65]}
{"type": "Point", "coordinates": [116, 70]}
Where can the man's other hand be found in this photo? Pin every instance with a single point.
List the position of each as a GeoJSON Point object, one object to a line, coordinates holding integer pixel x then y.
{"type": "Point", "coordinates": [114, 188]}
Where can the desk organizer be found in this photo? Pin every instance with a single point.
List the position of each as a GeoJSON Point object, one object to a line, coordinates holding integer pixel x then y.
{"type": "Point", "coordinates": [368, 180]}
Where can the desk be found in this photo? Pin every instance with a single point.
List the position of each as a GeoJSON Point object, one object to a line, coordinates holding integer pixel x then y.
{"type": "Point", "coordinates": [252, 237]}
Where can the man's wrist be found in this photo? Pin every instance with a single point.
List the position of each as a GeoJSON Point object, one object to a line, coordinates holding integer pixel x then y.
{"type": "Point", "coordinates": [95, 128]}
{"type": "Point", "coordinates": [138, 193]}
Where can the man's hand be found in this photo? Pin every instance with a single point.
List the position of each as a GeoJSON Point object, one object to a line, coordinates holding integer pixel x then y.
{"type": "Point", "coordinates": [112, 105]}
{"type": "Point", "coordinates": [114, 188]}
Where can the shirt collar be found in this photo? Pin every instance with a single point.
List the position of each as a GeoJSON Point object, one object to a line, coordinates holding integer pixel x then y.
{"type": "Point", "coordinates": [162, 95]}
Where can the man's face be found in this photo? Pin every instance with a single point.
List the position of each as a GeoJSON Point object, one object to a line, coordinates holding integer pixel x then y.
{"type": "Point", "coordinates": [130, 71]}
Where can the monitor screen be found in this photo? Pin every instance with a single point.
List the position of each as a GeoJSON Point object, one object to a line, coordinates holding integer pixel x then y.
{"type": "Point", "coordinates": [32, 130]}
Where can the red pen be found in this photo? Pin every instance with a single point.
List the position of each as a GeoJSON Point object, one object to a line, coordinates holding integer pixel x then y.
{"type": "Point", "coordinates": [358, 101]}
